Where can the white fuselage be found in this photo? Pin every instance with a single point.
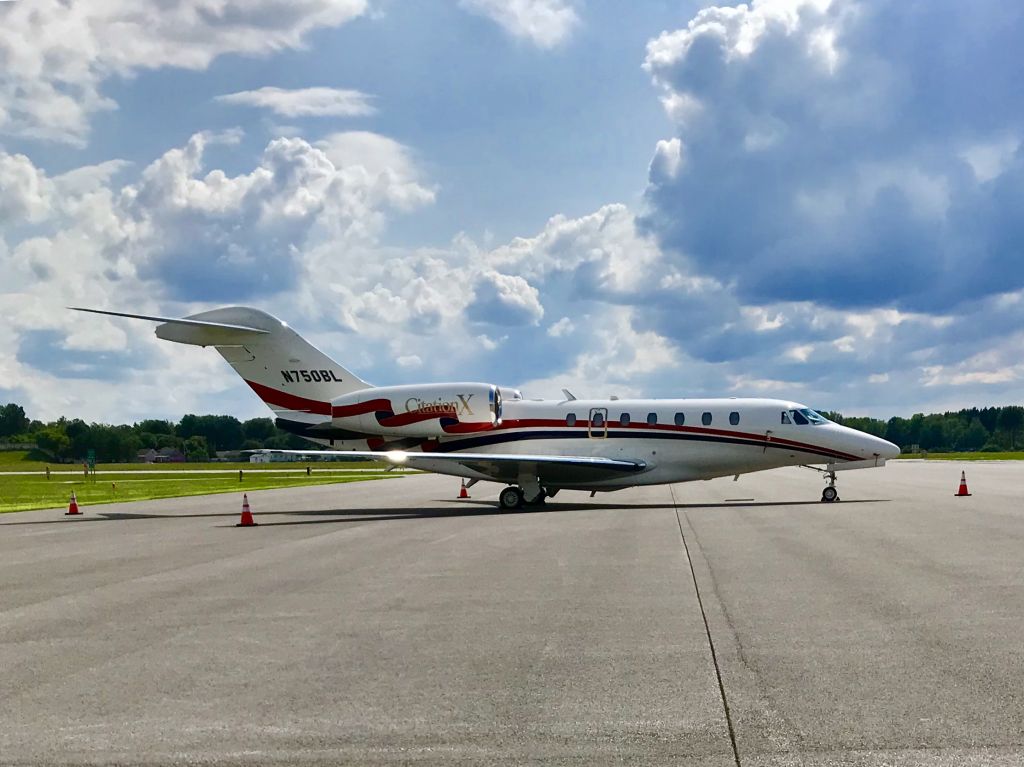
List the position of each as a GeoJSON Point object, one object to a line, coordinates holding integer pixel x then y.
{"type": "Point", "coordinates": [678, 439]}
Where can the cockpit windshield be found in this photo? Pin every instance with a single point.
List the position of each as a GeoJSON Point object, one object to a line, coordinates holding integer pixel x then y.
{"type": "Point", "coordinates": [805, 416]}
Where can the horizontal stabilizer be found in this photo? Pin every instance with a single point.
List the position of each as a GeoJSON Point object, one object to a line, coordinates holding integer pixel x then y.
{"type": "Point", "coordinates": [175, 320]}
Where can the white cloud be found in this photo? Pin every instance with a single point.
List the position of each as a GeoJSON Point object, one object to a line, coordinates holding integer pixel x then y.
{"type": "Point", "coordinates": [208, 236]}
{"type": "Point", "coordinates": [668, 159]}
{"type": "Point", "coordinates": [602, 251]}
{"type": "Point", "coordinates": [400, 315]}
{"type": "Point", "coordinates": [988, 159]}
{"type": "Point", "coordinates": [505, 299]}
{"type": "Point", "coordinates": [941, 375]}
{"type": "Point", "coordinates": [409, 361]}
{"type": "Point", "coordinates": [25, 192]}
{"type": "Point", "coordinates": [382, 161]}
{"type": "Point", "coordinates": [612, 357]}
{"type": "Point", "coordinates": [833, 154]}
{"type": "Point", "coordinates": [56, 55]}
{"type": "Point", "coordinates": [545, 23]}
{"type": "Point", "coordinates": [751, 385]}
{"type": "Point", "coordinates": [561, 328]}
{"type": "Point", "coordinates": [304, 102]}
{"type": "Point", "coordinates": [176, 231]}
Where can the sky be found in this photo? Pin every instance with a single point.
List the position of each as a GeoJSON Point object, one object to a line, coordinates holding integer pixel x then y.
{"type": "Point", "coordinates": [819, 200]}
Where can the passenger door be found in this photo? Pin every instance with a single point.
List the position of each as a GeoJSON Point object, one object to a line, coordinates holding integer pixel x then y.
{"type": "Point", "coordinates": [597, 426]}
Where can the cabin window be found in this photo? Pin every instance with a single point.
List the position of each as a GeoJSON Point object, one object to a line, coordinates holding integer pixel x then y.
{"type": "Point", "coordinates": [597, 420]}
{"type": "Point", "coordinates": [652, 418]}
{"type": "Point", "coordinates": [624, 419]}
{"type": "Point", "coordinates": [706, 419]}
{"type": "Point", "coordinates": [570, 419]}
{"type": "Point", "coordinates": [799, 417]}
{"type": "Point", "coordinates": [680, 419]}
{"type": "Point", "coordinates": [734, 418]}
{"type": "Point", "coordinates": [785, 417]}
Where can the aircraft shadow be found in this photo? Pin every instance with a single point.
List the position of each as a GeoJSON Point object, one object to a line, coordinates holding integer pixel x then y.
{"type": "Point", "coordinates": [465, 508]}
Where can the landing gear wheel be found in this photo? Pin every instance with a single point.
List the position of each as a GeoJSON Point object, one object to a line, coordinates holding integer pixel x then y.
{"type": "Point", "coordinates": [510, 498]}
{"type": "Point", "coordinates": [829, 494]}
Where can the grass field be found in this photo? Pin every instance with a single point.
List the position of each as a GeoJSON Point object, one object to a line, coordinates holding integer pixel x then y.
{"type": "Point", "coordinates": [142, 482]}
{"type": "Point", "coordinates": [20, 460]}
{"type": "Point", "coordinates": [1006, 456]}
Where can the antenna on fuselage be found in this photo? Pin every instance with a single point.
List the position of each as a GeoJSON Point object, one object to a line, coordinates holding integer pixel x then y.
{"type": "Point", "coordinates": [569, 396]}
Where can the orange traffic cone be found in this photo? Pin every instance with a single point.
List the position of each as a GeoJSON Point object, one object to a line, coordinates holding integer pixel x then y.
{"type": "Point", "coordinates": [246, 520]}
{"type": "Point", "coordinates": [463, 492]}
{"type": "Point", "coordinates": [73, 509]}
{"type": "Point", "coordinates": [962, 492]}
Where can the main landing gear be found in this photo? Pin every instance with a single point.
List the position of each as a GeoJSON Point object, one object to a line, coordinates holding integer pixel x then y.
{"type": "Point", "coordinates": [830, 493]}
{"type": "Point", "coordinates": [513, 497]}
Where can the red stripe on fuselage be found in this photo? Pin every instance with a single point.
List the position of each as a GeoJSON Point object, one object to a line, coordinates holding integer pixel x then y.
{"type": "Point", "coordinates": [306, 405]}
{"type": "Point", "coordinates": [361, 408]}
{"type": "Point", "coordinates": [289, 401]}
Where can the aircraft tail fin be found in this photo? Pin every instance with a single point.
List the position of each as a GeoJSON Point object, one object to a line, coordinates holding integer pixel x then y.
{"type": "Point", "coordinates": [294, 378]}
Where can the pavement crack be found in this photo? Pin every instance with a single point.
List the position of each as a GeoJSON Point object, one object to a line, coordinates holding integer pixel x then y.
{"type": "Point", "coordinates": [741, 652]}
{"type": "Point", "coordinates": [707, 630]}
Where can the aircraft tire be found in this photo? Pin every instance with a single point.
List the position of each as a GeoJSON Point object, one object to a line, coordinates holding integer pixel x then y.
{"type": "Point", "coordinates": [510, 498]}
{"type": "Point", "coordinates": [829, 494]}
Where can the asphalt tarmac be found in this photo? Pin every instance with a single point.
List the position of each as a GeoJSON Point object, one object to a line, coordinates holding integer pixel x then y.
{"type": "Point", "coordinates": [711, 623]}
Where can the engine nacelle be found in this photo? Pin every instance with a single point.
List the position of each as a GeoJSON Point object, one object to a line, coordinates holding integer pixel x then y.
{"type": "Point", "coordinates": [425, 410]}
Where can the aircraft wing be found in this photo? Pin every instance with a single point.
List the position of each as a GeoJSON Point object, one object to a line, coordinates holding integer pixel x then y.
{"type": "Point", "coordinates": [554, 469]}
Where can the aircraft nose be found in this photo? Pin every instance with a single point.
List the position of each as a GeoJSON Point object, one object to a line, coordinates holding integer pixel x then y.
{"type": "Point", "coordinates": [886, 449]}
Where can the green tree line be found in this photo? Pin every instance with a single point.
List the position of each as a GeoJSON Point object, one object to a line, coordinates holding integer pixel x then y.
{"type": "Point", "coordinates": [988, 429]}
{"type": "Point", "coordinates": [198, 437]}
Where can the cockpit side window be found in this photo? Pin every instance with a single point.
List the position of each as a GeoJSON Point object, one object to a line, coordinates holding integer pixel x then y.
{"type": "Point", "coordinates": [799, 417]}
{"type": "Point", "coordinates": [785, 417]}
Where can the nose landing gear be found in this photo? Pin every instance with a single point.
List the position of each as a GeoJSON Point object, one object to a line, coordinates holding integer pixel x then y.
{"type": "Point", "coordinates": [830, 493]}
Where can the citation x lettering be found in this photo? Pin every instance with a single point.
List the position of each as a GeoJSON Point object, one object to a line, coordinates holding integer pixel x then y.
{"type": "Point", "coordinates": [535, 447]}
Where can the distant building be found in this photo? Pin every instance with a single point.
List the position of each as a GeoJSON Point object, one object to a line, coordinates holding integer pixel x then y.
{"type": "Point", "coordinates": [146, 456]}
{"type": "Point", "coordinates": [169, 455]}
{"type": "Point", "coordinates": [274, 458]}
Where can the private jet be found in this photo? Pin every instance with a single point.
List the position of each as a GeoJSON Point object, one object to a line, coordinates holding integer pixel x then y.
{"type": "Point", "coordinates": [536, 447]}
